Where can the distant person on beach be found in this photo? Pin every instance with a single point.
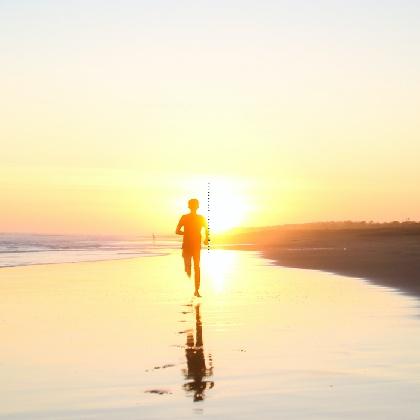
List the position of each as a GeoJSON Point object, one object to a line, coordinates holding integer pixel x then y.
{"type": "Point", "coordinates": [190, 226]}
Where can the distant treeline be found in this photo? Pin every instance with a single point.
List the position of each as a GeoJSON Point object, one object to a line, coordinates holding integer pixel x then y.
{"type": "Point", "coordinates": [349, 224]}
{"type": "Point", "coordinates": [320, 231]}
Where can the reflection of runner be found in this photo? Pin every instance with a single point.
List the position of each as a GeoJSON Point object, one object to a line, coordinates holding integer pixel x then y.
{"type": "Point", "coordinates": [196, 364]}
{"type": "Point", "coordinates": [192, 224]}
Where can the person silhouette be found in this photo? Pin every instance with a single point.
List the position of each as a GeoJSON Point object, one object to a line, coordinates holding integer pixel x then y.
{"type": "Point", "coordinates": [190, 227]}
{"type": "Point", "coordinates": [197, 371]}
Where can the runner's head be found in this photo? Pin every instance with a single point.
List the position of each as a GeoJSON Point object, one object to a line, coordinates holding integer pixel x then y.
{"type": "Point", "coordinates": [193, 204]}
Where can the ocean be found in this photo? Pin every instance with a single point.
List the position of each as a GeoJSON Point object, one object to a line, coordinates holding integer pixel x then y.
{"type": "Point", "coordinates": [32, 249]}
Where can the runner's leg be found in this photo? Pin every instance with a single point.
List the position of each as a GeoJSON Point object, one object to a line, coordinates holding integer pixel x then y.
{"type": "Point", "coordinates": [187, 262]}
{"type": "Point", "coordinates": [196, 258]}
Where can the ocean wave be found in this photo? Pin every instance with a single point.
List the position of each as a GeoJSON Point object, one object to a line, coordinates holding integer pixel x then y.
{"type": "Point", "coordinates": [22, 250]}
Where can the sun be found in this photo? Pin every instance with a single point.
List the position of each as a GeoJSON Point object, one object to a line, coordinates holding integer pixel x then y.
{"type": "Point", "coordinates": [226, 207]}
{"type": "Point", "coordinates": [224, 201]}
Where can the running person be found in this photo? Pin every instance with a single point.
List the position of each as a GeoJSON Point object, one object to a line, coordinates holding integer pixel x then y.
{"type": "Point", "coordinates": [193, 224]}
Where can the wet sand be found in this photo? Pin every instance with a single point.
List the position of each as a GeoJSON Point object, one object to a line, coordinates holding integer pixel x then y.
{"type": "Point", "coordinates": [392, 266]}
{"type": "Point", "coordinates": [387, 255]}
{"type": "Point", "coordinates": [125, 339]}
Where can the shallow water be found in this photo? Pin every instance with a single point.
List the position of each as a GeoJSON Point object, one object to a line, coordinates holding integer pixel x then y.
{"type": "Point", "coordinates": [124, 339]}
{"type": "Point", "coordinates": [25, 249]}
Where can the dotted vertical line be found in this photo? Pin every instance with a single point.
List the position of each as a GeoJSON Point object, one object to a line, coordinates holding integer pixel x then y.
{"type": "Point", "coordinates": [208, 214]}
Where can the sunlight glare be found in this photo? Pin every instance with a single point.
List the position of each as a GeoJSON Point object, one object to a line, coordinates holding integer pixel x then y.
{"type": "Point", "coordinates": [229, 200]}
{"type": "Point", "coordinates": [219, 264]}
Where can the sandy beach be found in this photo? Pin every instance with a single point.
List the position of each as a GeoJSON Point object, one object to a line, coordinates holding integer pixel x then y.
{"type": "Point", "coordinates": [125, 339]}
{"type": "Point", "coordinates": [278, 141]}
{"type": "Point", "coordinates": [386, 254]}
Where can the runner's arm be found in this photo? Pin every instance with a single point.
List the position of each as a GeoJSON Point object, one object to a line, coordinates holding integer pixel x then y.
{"type": "Point", "coordinates": [178, 230]}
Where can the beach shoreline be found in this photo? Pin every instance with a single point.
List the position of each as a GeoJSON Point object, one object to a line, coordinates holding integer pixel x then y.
{"type": "Point", "coordinates": [385, 256]}
{"type": "Point", "coordinates": [126, 336]}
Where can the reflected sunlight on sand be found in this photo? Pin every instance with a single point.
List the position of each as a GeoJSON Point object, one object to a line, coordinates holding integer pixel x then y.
{"type": "Point", "coordinates": [127, 339]}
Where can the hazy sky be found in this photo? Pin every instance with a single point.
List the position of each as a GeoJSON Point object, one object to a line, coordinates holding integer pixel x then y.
{"type": "Point", "coordinates": [113, 113]}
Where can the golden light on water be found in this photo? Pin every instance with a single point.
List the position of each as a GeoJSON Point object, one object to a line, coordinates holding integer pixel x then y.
{"type": "Point", "coordinates": [219, 266]}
